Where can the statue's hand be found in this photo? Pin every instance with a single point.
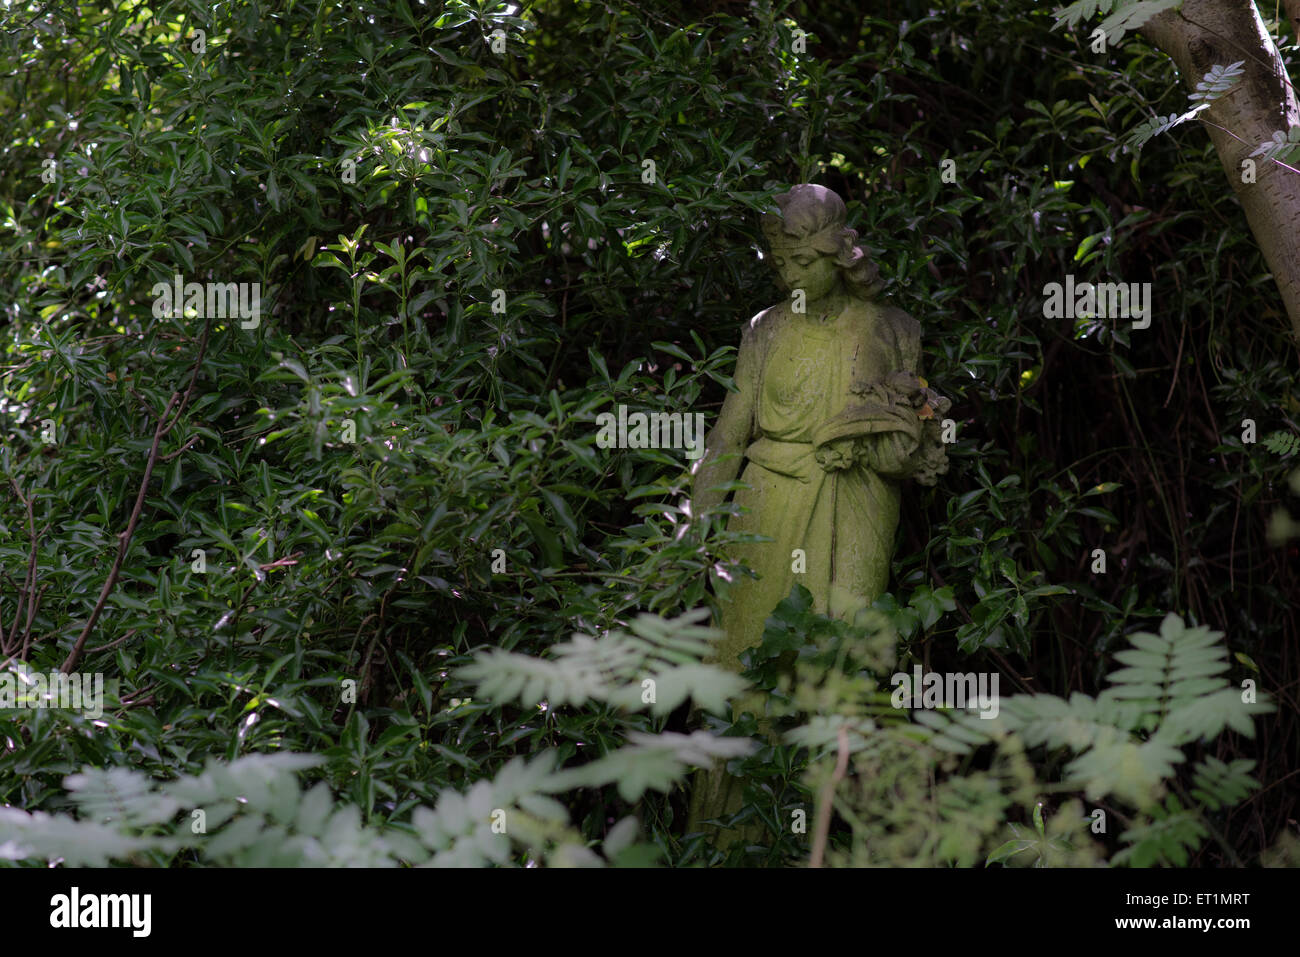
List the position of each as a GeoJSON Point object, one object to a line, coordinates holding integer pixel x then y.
{"type": "Point", "coordinates": [838, 454]}
{"type": "Point", "coordinates": [890, 454]}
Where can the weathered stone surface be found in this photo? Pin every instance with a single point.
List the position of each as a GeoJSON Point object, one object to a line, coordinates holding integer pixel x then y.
{"type": "Point", "coordinates": [830, 416]}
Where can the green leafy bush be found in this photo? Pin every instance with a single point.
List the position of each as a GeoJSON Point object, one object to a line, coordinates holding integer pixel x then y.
{"type": "Point", "coordinates": [389, 489]}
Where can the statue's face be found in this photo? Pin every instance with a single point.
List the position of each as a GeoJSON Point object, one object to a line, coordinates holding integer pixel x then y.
{"type": "Point", "coordinates": [802, 267]}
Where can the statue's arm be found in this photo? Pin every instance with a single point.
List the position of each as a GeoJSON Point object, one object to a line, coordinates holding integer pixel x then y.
{"type": "Point", "coordinates": [893, 454]}
{"type": "Point", "coordinates": [730, 435]}
{"type": "Point", "coordinates": [928, 460]}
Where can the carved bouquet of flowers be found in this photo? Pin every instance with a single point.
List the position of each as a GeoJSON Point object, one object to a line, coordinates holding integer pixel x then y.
{"type": "Point", "coordinates": [892, 427]}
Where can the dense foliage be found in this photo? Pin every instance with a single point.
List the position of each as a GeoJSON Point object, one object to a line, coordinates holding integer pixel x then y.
{"type": "Point", "coordinates": [367, 527]}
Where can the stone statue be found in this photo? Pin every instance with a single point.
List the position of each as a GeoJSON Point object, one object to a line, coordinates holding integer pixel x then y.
{"type": "Point", "coordinates": [830, 415]}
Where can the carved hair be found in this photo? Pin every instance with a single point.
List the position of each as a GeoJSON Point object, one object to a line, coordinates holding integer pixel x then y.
{"type": "Point", "coordinates": [813, 217]}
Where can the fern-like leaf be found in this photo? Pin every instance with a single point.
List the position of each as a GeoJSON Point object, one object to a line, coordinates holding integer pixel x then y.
{"type": "Point", "coordinates": [1169, 670]}
{"type": "Point", "coordinates": [61, 838]}
{"type": "Point", "coordinates": [1218, 81]}
{"type": "Point", "coordinates": [823, 730]}
{"type": "Point", "coordinates": [1081, 10]}
{"type": "Point", "coordinates": [1282, 443]}
{"type": "Point", "coordinates": [654, 761]}
{"type": "Point", "coordinates": [1208, 715]}
{"type": "Point", "coordinates": [1125, 15]}
{"type": "Point", "coordinates": [257, 815]}
{"type": "Point", "coordinates": [1128, 740]}
{"type": "Point", "coordinates": [621, 669]}
{"type": "Point", "coordinates": [1284, 147]}
{"type": "Point", "coordinates": [1132, 771]}
{"type": "Point", "coordinates": [1141, 134]}
{"type": "Point", "coordinates": [957, 732]}
{"type": "Point", "coordinates": [1216, 784]}
{"type": "Point", "coordinates": [1170, 837]}
{"type": "Point", "coordinates": [119, 796]}
{"type": "Point", "coordinates": [1128, 16]}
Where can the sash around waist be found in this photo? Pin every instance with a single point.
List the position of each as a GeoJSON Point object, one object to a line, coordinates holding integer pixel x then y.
{"type": "Point", "coordinates": [792, 459]}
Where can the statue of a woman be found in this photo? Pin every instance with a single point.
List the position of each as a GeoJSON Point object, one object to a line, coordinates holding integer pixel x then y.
{"type": "Point", "coordinates": [830, 415]}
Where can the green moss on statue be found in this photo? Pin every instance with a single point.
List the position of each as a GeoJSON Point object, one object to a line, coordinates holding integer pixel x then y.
{"type": "Point", "coordinates": [831, 414]}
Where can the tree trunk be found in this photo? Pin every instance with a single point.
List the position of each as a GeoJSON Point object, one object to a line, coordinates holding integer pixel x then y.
{"type": "Point", "coordinates": [1205, 32]}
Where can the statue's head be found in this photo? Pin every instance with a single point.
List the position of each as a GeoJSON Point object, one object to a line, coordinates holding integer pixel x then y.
{"type": "Point", "coordinates": [813, 250]}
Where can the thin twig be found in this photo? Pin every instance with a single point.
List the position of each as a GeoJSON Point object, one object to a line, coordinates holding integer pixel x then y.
{"type": "Point", "coordinates": [4, 642]}
{"type": "Point", "coordinates": [124, 540]}
{"type": "Point", "coordinates": [1177, 365]}
{"type": "Point", "coordinates": [137, 696]}
{"type": "Point", "coordinates": [179, 402]}
{"type": "Point", "coordinates": [824, 800]}
{"type": "Point", "coordinates": [171, 455]}
{"type": "Point", "coordinates": [112, 644]}
{"type": "Point", "coordinates": [32, 606]}
{"type": "Point", "coordinates": [194, 377]}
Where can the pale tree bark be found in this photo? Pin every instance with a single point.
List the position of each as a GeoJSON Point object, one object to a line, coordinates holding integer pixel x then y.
{"type": "Point", "coordinates": [1203, 33]}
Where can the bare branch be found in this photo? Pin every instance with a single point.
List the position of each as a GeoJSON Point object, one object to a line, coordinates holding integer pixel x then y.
{"type": "Point", "coordinates": [124, 540]}
{"type": "Point", "coordinates": [178, 401]}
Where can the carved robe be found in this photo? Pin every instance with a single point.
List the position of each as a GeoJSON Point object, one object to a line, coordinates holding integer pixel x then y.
{"type": "Point", "coordinates": [825, 441]}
